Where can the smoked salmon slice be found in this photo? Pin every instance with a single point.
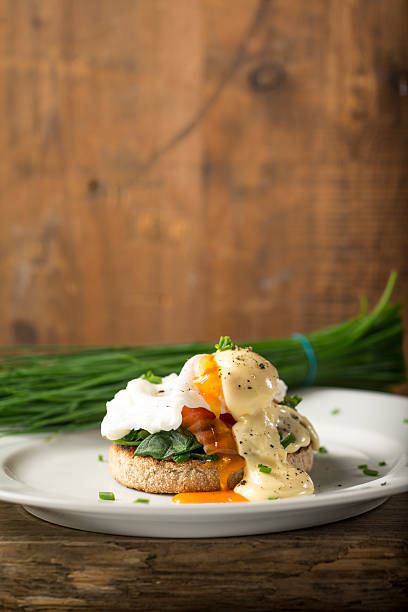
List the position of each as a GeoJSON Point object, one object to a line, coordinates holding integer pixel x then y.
{"type": "Point", "coordinates": [215, 436]}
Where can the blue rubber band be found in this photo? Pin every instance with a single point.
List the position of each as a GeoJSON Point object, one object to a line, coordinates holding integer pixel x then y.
{"type": "Point", "coordinates": [311, 357]}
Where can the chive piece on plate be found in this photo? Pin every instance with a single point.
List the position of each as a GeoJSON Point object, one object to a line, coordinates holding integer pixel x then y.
{"type": "Point", "coordinates": [369, 472]}
{"type": "Point", "coordinates": [100, 457]}
{"type": "Point", "coordinates": [323, 450]}
{"type": "Point", "coordinates": [382, 463]}
{"type": "Point", "coordinates": [335, 411]}
{"type": "Point", "coordinates": [273, 497]}
{"type": "Point", "coordinates": [290, 438]}
{"type": "Point", "coordinates": [107, 495]}
{"type": "Point", "coordinates": [141, 500]}
{"type": "Point", "coordinates": [264, 468]}
{"type": "Point", "coordinates": [363, 466]}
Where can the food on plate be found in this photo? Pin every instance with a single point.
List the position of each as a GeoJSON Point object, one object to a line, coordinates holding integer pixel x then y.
{"type": "Point", "coordinates": [223, 425]}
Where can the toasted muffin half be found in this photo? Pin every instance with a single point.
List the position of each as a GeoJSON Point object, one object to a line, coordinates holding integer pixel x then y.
{"type": "Point", "coordinates": [165, 476]}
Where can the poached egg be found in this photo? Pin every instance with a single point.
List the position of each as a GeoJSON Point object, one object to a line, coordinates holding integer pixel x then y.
{"type": "Point", "coordinates": [236, 382]}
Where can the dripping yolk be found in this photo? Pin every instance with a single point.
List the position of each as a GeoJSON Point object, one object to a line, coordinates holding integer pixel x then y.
{"type": "Point", "coordinates": [212, 428]}
{"type": "Point", "coordinates": [214, 433]}
{"type": "Point", "coordinates": [208, 383]}
{"type": "Point", "coordinates": [226, 466]}
{"type": "Point", "coordinates": [208, 497]}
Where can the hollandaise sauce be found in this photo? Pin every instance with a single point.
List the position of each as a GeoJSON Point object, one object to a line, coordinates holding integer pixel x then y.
{"type": "Point", "coordinates": [245, 384]}
{"type": "Point", "coordinates": [249, 383]}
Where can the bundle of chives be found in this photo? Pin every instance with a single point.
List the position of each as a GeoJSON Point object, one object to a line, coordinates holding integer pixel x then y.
{"type": "Point", "coordinates": [53, 390]}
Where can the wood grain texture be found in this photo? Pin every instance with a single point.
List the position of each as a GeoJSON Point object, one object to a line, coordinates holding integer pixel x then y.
{"type": "Point", "coordinates": [176, 170]}
{"type": "Point", "coordinates": [357, 564]}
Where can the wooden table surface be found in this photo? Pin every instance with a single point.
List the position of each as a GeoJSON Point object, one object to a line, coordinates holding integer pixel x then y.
{"type": "Point", "coordinates": [356, 564]}
{"type": "Point", "coordinates": [177, 170]}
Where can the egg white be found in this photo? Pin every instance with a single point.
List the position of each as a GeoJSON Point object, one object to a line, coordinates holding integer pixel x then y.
{"type": "Point", "coordinates": [158, 407]}
{"type": "Point", "coordinates": [154, 407]}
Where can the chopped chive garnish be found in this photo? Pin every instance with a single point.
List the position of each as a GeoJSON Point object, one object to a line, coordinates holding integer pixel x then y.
{"type": "Point", "coordinates": [290, 438]}
{"type": "Point", "coordinates": [323, 450]}
{"type": "Point", "coordinates": [280, 434]}
{"type": "Point", "coordinates": [369, 472]}
{"type": "Point", "coordinates": [141, 500]}
{"type": "Point", "coordinates": [335, 411]}
{"type": "Point", "coordinates": [225, 344]}
{"type": "Point", "coordinates": [292, 401]}
{"type": "Point", "coordinates": [152, 378]}
{"type": "Point", "coordinates": [363, 466]}
{"type": "Point", "coordinates": [382, 463]}
{"type": "Point", "coordinates": [273, 497]}
{"type": "Point", "coordinates": [107, 495]}
{"type": "Point", "coordinates": [264, 468]}
{"type": "Point", "coordinates": [100, 457]}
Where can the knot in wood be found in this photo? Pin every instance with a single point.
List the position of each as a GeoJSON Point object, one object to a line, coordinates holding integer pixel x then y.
{"type": "Point", "coordinates": [399, 82]}
{"type": "Point", "coordinates": [94, 186]}
{"type": "Point", "coordinates": [266, 77]}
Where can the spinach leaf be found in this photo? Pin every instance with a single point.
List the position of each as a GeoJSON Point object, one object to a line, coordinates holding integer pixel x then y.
{"type": "Point", "coordinates": [197, 454]}
{"type": "Point", "coordinates": [154, 445]}
{"type": "Point", "coordinates": [133, 438]}
{"type": "Point", "coordinates": [203, 456]}
{"type": "Point", "coordinates": [166, 444]}
{"type": "Point", "coordinates": [181, 458]}
{"type": "Point", "coordinates": [177, 444]}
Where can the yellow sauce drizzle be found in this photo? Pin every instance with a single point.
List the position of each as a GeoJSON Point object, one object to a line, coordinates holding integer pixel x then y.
{"type": "Point", "coordinates": [249, 384]}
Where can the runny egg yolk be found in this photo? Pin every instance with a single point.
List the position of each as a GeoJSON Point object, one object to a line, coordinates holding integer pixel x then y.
{"type": "Point", "coordinates": [226, 466]}
{"type": "Point", "coordinates": [208, 383]}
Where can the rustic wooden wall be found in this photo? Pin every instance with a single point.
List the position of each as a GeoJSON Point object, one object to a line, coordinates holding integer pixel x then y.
{"type": "Point", "coordinates": [177, 169]}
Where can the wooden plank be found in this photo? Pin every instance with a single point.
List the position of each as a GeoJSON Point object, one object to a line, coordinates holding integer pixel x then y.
{"type": "Point", "coordinates": [174, 171]}
{"type": "Point", "coordinates": [356, 564]}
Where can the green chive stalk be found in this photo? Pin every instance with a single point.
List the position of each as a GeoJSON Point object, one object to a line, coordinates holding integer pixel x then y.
{"type": "Point", "coordinates": [47, 389]}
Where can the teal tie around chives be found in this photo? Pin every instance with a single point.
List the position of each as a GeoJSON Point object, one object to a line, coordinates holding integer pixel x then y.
{"type": "Point", "coordinates": [311, 357]}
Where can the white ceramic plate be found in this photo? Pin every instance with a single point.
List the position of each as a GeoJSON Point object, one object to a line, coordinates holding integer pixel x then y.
{"type": "Point", "coordinates": [58, 479]}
